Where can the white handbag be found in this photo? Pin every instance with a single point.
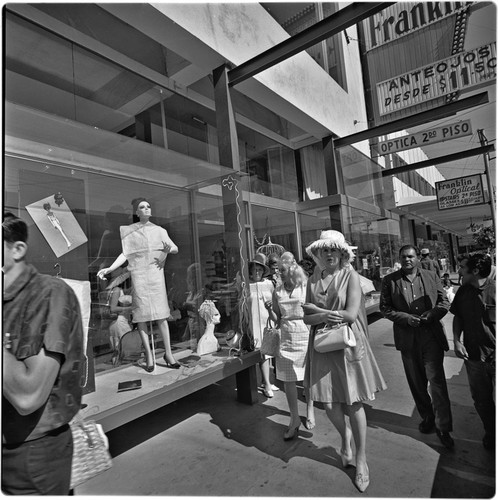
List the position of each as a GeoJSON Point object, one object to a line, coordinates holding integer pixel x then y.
{"type": "Point", "coordinates": [334, 338]}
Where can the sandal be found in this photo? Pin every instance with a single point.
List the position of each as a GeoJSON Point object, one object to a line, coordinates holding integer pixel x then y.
{"type": "Point", "coordinates": [268, 394]}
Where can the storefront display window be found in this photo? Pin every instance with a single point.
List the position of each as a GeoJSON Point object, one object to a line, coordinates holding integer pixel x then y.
{"type": "Point", "coordinates": [273, 230]}
{"type": "Point", "coordinates": [362, 176]}
{"type": "Point", "coordinates": [271, 166]}
{"type": "Point", "coordinates": [378, 242]}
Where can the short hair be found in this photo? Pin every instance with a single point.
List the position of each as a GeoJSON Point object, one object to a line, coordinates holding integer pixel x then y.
{"type": "Point", "coordinates": [462, 256]}
{"type": "Point", "coordinates": [272, 258]}
{"type": "Point", "coordinates": [409, 247]}
{"type": "Point", "coordinates": [13, 228]}
{"type": "Point", "coordinates": [207, 310]}
{"type": "Point", "coordinates": [134, 203]}
{"type": "Point", "coordinates": [481, 262]}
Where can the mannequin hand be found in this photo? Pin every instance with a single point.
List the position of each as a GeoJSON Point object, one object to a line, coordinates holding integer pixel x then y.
{"type": "Point", "coordinates": [101, 274]}
{"type": "Point", "coordinates": [160, 262]}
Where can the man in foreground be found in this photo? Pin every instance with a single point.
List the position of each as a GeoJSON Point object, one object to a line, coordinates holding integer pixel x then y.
{"type": "Point", "coordinates": [474, 309]}
{"type": "Point", "coordinates": [414, 300]}
{"type": "Point", "coordinates": [42, 365]}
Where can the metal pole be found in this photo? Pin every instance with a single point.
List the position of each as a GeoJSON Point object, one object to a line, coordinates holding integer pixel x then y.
{"type": "Point", "coordinates": [484, 142]}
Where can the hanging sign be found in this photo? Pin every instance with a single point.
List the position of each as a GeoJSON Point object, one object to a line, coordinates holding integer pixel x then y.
{"type": "Point", "coordinates": [462, 71]}
{"type": "Point", "coordinates": [403, 18]}
{"type": "Point", "coordinates": [431, 136]}
{"type": "Point", "coordinates": [460, 192]}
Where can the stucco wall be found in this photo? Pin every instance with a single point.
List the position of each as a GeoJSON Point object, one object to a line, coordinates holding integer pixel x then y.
{"type": "Point", "coordinates": [239, 32]}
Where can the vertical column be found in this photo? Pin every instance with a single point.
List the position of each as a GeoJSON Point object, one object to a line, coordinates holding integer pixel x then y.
{"type": "Point", "coordinates": [233, 205]}
{"type": "Point", "coordinates": [335, 183]}
{"type": "Point", "coordinates": [143, 128]}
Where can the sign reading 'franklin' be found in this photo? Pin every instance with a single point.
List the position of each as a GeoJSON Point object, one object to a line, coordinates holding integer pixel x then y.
{"type": "Point", "coordinates": [461, 192]}
{"type": "Point", "coordinates": [404, 18]}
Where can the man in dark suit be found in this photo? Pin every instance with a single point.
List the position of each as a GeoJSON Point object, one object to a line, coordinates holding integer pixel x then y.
{"type": "Point", "coordinates": [414, 300]}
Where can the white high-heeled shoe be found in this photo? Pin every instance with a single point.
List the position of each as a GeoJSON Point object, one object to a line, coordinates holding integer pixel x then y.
{"type": "Point", "coordinates": [362, 481]}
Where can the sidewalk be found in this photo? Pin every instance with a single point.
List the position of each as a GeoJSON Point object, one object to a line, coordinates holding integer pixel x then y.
{"type": "Point", "coordinates": [207, 444]}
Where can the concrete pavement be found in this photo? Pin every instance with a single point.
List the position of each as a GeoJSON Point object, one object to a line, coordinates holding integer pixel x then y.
{"type": "Point", "coordinates": [207, 444]}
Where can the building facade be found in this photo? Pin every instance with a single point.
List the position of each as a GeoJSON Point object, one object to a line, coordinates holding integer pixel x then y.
{"type": "Point", "coordinates": [111, 102]}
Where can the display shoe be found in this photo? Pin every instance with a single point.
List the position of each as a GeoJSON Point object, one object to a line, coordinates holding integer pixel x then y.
{"type": "Point", "coordinates": [427, 425]}
{"type": "Point", "coordinates": [291, 434]}
{"type": "Point", "coordinates": [149, 368]}
{"type": "Point", "coordinates": [446, 439]}
{"type": "Point", "coordinates": [174, 365]}
{"type": "Point", "coordinates": [361, 481]}
{"type": "Point", "coordinates": [309, 424]}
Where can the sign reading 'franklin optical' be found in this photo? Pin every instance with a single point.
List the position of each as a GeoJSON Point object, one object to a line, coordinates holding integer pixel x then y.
{"type": "Point", "coordinates": [462, 71]}
{"type": "Point", "coordinates": [430, 136]}
{"type": "Point", "coordinates": [461, 192]}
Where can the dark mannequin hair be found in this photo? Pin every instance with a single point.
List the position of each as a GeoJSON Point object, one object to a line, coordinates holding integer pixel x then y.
{"type": "Point", "coordinates": [135, 202]}
{"type": "Point", "coordinates": [13, 228]}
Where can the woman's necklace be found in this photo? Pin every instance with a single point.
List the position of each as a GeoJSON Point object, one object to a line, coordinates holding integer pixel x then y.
{"type": "Point", "coordinates": [289, 287]}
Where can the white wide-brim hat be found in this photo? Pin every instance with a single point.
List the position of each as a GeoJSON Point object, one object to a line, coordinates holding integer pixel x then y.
{"type": "Point", "coordinates": [331, 239]}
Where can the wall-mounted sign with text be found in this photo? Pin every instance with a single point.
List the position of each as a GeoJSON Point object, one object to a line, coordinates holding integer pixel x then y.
{"type": "Point", "coordinates": [420, 139]}
{"type": "Point", "coordinates": [460, 192]}
{"type": "Point", "coordinates": [404, 18]}
{"type": "Point", "coordinates": [462, 71]}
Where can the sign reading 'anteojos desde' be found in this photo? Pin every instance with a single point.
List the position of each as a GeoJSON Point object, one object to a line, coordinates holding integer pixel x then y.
{"type": "Point", "coordinates": [461, 71]}
{"type": "Point", "coordinates": [431, 136]}
{"type": "Point", "coordinates": [460, 192]}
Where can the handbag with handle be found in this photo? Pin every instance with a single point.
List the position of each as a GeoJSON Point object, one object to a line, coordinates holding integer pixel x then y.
{"type": "Point", "coordinates": [334, 338]}
{"type": "Point", "coordinates": [90, 450]}
{"type": "Point", "coordinates": [270, 345]}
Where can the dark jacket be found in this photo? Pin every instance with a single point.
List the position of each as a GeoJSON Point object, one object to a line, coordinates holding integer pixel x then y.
{"type": "Point", "coordinates": [395, 308]}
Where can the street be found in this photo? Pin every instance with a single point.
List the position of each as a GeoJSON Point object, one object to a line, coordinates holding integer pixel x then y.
{"type": "Point", "coordinates": [207, 444]}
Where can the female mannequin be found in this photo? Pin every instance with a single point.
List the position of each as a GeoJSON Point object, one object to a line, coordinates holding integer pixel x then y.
{"type": "Point", "coordinates": [146, 247]}
{"type": "Point", "coordinates": [208, 342]}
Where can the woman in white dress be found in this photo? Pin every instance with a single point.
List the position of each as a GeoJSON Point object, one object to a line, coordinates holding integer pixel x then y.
{"type": "Point", "coordinates": [261, 290]}
{"type": "Point", "coordinates": [288, 299]}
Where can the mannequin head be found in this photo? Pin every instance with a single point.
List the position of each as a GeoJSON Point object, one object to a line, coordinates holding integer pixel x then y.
{"type": "Point", "coordinates": [141, 209]}
{"type": "Point", "coordinates": [209, 313]}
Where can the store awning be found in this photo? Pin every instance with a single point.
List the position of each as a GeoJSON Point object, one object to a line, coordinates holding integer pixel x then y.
{"type": "Point", "coordinates": [454, 220]}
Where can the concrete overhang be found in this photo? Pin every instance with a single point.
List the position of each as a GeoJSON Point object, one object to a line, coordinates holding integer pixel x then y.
{"type": "Point", "coordinates": [454, 220]}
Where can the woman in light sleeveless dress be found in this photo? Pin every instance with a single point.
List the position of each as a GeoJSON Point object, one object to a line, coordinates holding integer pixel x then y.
{"type": "Point", "coordinates": [342, 379]}
{"type": "Point", "coordinates": [288, 299]}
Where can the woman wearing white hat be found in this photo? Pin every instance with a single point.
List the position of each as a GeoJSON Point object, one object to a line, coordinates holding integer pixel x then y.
{"type": "Point", "coordinates": [342, 379]}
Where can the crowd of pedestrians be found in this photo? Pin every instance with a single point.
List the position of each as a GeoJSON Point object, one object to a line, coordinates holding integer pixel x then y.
{"type": "Point", "coordinates": [43, 342]}
{"type": "Point", "coordinates": [415, 298]}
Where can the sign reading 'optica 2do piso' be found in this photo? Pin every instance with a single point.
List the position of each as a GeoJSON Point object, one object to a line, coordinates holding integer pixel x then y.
{"type": "Point", "coordinates": [431, 136]}
{"type": "Point", "coordinates": [460, 192]}
{"type": "Point", "coordinates": [461, 71]}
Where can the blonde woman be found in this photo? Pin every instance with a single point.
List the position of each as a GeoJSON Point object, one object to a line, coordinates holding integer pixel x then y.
{"type": "Point", "coordinates": [342, 379]}
{"type": "Point", "coordinates": [288, 299]}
